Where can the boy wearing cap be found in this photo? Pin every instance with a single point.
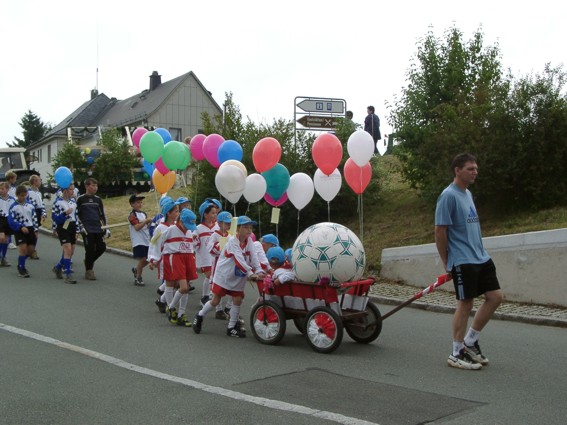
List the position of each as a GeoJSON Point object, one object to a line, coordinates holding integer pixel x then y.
{"type": "Point", "coordinates": [208, 213]}
{"type": "Point", "coordinates": [216, 243]}
{"type": "Point", "coordinates": [282, 270]}
{"type": "Point", "coordinates": [237, 263]}
{"type": "Point", "coordinates": [178, 255]}
{"type": "Point", "coordinates": [261, 247]}
{"type": "Point", "coordinates": [140, 236]}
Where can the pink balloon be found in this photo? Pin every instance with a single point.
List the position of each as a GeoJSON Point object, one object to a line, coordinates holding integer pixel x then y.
{"type": "Point", "coordinates": [357, 177]}
{"type": "Point", "coordinates": [211, 147]}
{"type": "Point", "coordinates": [160, 166]}
{"type": "Point", "coordinates": [196, 147]}
{"type": "Point", "coordinates": [137, 135]}
{"type": "Point", "coordinates": [327, 153]}
{"type": "Point", "coordinates": [273, 202]}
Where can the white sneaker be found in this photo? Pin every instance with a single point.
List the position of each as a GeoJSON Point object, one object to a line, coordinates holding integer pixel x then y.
{"type": "Point", "coordinates": [475, 354]}
{"type": "Point", "coordinates": [463, 361]}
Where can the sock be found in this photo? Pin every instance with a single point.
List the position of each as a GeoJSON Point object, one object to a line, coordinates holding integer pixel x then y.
{"type": "Point", "coordinates": [234, 313]}
{"type": "Point", "coordinates": [472, 337]}
{"type": "Point", "coordinates": [163, 298]}
{"type": "Point", "coordinates": [206, 308]}
{"type": "Point", "coordinates": [219, 307]}
{"type": "Point", "coordinates": [183, 303]}
{"type": "Point", "coordinates": [162, 286]}
{"type": "Point", "coordinates": [457, 347]}
{"type": "Point", "coordinates": [169, 290]}
{"type": "Point", "coordinates": [66, 265]}
{"type": "Point", "coordinates": [206, 287]}
{"type": "Point", "coordinates": [22, 261]}
{"type": "Point", "coordinates": [175, 300]}
{"type": "Point", "coordinates": [3, 250]}
{"type": "Point", "coordinates": [229, 303]}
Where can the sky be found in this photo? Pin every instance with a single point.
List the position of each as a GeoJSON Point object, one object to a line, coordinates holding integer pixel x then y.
{"type": "Point", "coordinates": [266, 53]}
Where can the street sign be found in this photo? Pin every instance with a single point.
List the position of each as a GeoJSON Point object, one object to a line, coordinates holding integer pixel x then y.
{"type": "Point", "coordinates": [314, 121]}
{"type": "Point", "coordinates": [323, 106]}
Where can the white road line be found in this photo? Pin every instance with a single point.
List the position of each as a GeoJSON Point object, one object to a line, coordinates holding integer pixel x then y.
{"type": "Point", "coordinates": [261, 401]}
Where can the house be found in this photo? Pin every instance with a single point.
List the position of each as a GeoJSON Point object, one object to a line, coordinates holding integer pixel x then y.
{"type": "Point", "coordinates": [175, 105]}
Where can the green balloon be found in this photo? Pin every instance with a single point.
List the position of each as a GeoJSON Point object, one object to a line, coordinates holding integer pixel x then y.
{"type": "Point", "coordinates": [186, 157]}
{"type": "Point", "coordinates": [174, 155]}
{"type": "Point", "coordinates": [151, 146]}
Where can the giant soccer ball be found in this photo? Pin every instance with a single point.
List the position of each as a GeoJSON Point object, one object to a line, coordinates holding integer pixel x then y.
{"type": "Point", "coordinates": [328, 250]}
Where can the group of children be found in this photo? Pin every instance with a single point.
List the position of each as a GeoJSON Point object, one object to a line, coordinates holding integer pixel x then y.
{"type": "Point", "coordinates": [174, 245]}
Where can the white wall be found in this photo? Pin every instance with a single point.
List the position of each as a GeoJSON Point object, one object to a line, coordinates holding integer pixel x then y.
{"type": "Point", "coordinates": [530, 266]}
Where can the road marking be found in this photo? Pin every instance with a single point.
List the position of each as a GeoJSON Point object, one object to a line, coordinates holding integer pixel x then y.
{"type": "Point", "coordinates": [261, 401]}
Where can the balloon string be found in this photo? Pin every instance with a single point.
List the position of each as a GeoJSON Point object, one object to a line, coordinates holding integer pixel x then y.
{"type": "Point", "coordinates": [297, 224]}
{"type": "Point", "coordinates": [259, 220]}
{"type": "Point", "coordinates": [247, 209]}
{"type": "Point", "coordinates": [197, 183]}
{"type": "Point", "coordinates": [361, 219]}
{"type": "Point", "coordinates": [328, 211]}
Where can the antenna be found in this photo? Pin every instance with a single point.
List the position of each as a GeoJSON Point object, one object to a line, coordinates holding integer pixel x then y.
{"type": "Point", "coordinates": [96, 85]}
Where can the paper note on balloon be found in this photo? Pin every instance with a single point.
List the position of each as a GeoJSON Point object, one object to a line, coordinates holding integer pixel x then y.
{"type": "Point", "coordinates": [222, 242]}
{"type": "Point", "coordinates": [232, 230]}
{"type": "Point", "coordinates": [275, 215]}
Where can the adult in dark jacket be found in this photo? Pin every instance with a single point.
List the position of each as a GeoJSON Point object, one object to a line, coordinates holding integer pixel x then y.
{"type": "Point", "coordinates": [372, 126]}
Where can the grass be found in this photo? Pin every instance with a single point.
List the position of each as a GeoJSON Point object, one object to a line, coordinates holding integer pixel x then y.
{"type": "Point", "coordinates": [399, 218]}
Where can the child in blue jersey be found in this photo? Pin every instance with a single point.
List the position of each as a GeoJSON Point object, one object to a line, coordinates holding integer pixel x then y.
{"type": "Point", "coordinates": [23, 221]}
{"type": "Point", "coordinates": [6, 202]}
{"type": "Point", "coordinates": [36, 199]}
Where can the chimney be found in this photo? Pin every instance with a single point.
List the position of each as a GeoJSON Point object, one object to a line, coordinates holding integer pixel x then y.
{"type": "Point", "coordinates": [155, 80]}
{"type": "Point", "coordinates": [94, 93]}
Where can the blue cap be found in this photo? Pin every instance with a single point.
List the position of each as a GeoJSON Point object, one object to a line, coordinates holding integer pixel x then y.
{"type": "Point", "coordinates": [206, 205]}
{"type": "Point", "coordinates": [163, 199]}
{"type": "Point", "coordinates": [214, 201]}
{"type": "Point", "coordinates": [224, 217]}
{"type": "Point", "coordinates": [242, 220]}
{"type": "Point", "coordinates": [188, 218]}
{"type": "Point", "coordinates": [167, 206]}
{"type": "Point", "coordinates": [288, 253]}
{"type": "Point", "coordinates": [182, 200]}
{"type": "Point", "coordinates": [270, 239]}
{"type": "Point", "coordinates": [276, 253]}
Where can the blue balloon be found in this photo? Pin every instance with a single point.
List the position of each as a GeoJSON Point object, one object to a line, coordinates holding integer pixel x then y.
{"type": "Point", "coordinates": [229, 149]}
{"type": "Point", "coordinates": [148, 168]}
{"type": "Point", "coordinates": [95, 153]}
{"type": "Point", "coordinates": [63, 177]}
{"type": "Point", "coordinates": [164, 134]}
{"type": "Point", "coordinates": [277, 180]}
{"type": "Point", "coordinates": [90, 160]}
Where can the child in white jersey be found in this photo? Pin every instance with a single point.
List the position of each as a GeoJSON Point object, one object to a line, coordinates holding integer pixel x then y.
{"type": "Point", "coordinates": [237, 263]}
{"type": "Point", "coordinates": [208, 213]}
{"type": "Point", "coordinates": [170, 212]}
{"type": "Point", "coordinates": [23, 221]}
{"type": "Point", "coordinates": [64, 217]}
{"type": "Point", "coordinates": [6, 202]}
{"type": "Point", "coordinates": [140, 237]}
{"type": "Point", "coordinates": [36, 199]}
{"type": "Point", "coordinates": [282, 272]}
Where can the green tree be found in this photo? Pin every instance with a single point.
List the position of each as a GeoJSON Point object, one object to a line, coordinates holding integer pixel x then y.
{"type": "Point", "coordinates": [33, 130]}
{"type": "Point", "coordinates": [72, 157]}
{"type": "Point", "coordinates": [116, 159]}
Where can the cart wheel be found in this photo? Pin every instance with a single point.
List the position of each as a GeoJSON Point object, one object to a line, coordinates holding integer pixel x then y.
{"type": "Point", "coordinates": [366, 329]}
{"type": "Point", "coordinates": [267, 321]}
{"type": "Point", "coordinates": [323, 329]}
{"type": "Point", "coordinates": [299, 323]}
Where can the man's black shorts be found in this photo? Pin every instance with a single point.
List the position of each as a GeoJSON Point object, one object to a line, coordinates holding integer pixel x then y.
{"type": "Point", "coordinates": [473, 280]}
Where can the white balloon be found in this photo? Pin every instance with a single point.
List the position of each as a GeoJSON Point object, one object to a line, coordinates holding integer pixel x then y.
{"type": "Point", "coordinates": [255, 188]}
{"type": "Point", "coordinates": [300, 190]}
{"type": "Point", "coordinates": [327, 186]}
{"type": "Point", "coordinates": [230, 182]}
{"type": "Point", "coordinates": [360, 147]}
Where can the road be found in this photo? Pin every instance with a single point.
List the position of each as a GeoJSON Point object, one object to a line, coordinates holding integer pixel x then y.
{"type": "Point", "coordinates": [100, 353]}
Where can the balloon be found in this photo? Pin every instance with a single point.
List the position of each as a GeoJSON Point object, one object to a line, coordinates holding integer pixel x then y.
{"type": "Point", "coordinates": [277, 180]}
{"type": "Point", "coordinates": [163, 182]}
{"type": "Point", "coordinates": [87, 150]}
{"type": "Point", "coordinates": [211, 148]}
{"type": "Point", "coordinates": [148, 168]}
{"type": "Point", "coordinates": [266, 154]}
{"type": "Point", "coordinates": [151, 146]}
{"type": "Point", "coordinates": [90, 160]}
{"type": "Point", "coordinates": [327, 186]}
{"type": "Point", "coordinates": [273, 202]}
{"type": "Point", "coordinates": [196, 147]}
{"type": "Point", "coordinates": [95, 153]}
{"type": "Point", "coordinates": [165, 135]}
{"type": "Point", "coordinates": [230, 182]}
{"type": "Point", "coordinates": [161, 167]}
{"type": "Point", "coordinates": [230, 149]}
{"type": "Point", "coordinates": [327, 152]}
{"type": "Point", "coordinates": [137, 135]}
{"type": "Point", "coordinates": [300, 190]}
{"type": "Point", "coordinates": [360, 147]}
{"type": "Point", "coordinates": [357, 177]}
{"type": "Point", "coordinates": [176, 155]}
{"type": "Point", "coordinates": [255, 188]}
{"type": "Point", "coordinates": [236, 163]}
{"type": "Point", "coordinates": [63, 177]}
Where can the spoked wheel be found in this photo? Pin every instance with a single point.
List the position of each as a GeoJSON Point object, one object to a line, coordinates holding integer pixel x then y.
{"type": "Point", "coordinates": [367, 328]}
{"type": "Point", "coordinates": [268, 323]}
{"type": "Point", "coordinates": [299, 323]}
{"type": "Point", "coordinates": [323, 329]}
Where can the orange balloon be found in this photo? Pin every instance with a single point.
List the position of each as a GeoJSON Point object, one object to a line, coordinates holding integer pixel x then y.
{"type": "Point", "coordinates": [163, 182]}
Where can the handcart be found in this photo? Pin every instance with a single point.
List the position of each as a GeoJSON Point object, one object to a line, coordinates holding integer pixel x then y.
{"type": "Point", "coordinates": [319, 311]}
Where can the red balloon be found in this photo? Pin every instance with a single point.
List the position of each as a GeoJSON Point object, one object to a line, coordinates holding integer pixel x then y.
{"type": "Point", "coordinates": [196, 147]}
{"type": "Point", "coordinates": [161, 167]}
{"type": "Point", "coordinates": [327, 153]}
{"type": "Point", "coordinates": [273, 202]}
{"type": "Point", "coordinates": [357, 177]}
{"type": "Point", "coordinates": [266, 154]}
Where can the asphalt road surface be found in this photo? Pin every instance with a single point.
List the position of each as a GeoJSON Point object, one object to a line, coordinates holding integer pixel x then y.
{"type": "Point", "coordinates": [101, 353]}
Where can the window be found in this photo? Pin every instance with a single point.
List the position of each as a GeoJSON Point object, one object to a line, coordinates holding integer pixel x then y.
{"type": "Point", "coordinates": [49, 154]}
{"type": "Point", "coordinates": [175, 134]}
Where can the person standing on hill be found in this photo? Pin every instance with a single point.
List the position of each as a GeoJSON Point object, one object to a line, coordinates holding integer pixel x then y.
{"type": "Point", "coordinates": [459, 243]}
{"type": "Point", "coordinates": [372, 126]}
{"type": "Point", "coordinates": [91, 214]}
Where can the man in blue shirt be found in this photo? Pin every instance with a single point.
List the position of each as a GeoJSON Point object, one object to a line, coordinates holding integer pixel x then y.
{"type": "Point", "coordinates": [459, 243]}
